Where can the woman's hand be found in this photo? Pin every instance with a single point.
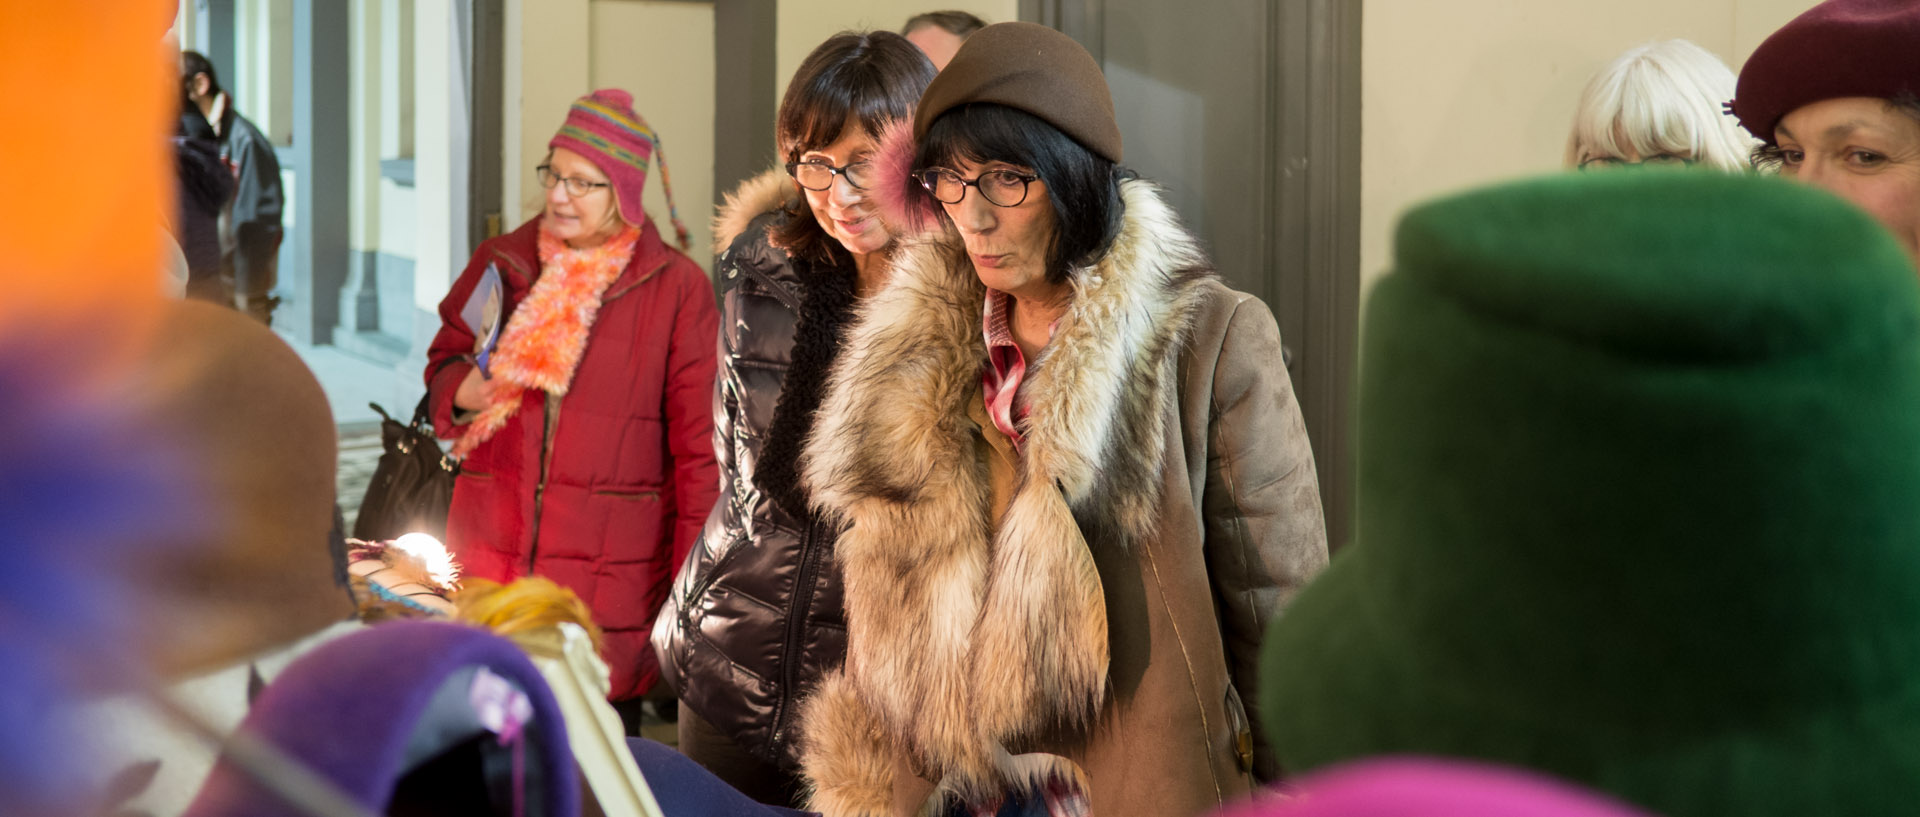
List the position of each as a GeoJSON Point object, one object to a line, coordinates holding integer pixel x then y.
{"type": "Point", "coordinates": [475, 392]}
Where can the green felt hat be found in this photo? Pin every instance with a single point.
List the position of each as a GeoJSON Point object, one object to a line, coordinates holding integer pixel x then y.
{"type": "Point", "coordinates": [1639, 502]}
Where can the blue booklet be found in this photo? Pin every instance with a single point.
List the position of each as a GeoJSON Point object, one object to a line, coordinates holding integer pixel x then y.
{"type": "Point", "coordinates": [483, 318]}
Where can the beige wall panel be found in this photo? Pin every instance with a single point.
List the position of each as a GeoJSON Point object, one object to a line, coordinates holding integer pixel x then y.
{"type": "Point", "coordinates": [804, 25]}
{"type": "Point", "coordinates": [396, 79]}
{"type": "Point", "coordinates": [662, 54]}
{"type": "Point", "coordinates": [364, 124]}
{"type": "Point", "coordinates": [548, 65]}
{"type": "Point", "coordinates": [1469, 92]}
{"type": "Point", "coordinates": [399, 221]}
{"type": "Point", "coordinates": [275, 100]}
{"type": "Point", "coordinates": [435, 267]}
{"type": "Point", "coordinates": [1754, 20]}
{"type": "Point", "coordinates": [264, 74]}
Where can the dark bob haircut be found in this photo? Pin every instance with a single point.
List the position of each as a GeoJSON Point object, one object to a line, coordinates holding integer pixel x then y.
{"type": "Point", "coordinates": [194, 63]}
{"type": "Point", "coordinates": [869, 78]}
{"type": "Point", "coordinates": [1083, 186]}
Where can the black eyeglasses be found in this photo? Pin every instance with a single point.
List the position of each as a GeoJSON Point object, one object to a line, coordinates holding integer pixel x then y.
{"type": "Point", "coordinates": [1005, 188]}
{"type": "Point", "coordinates": [817, 175]}
{"type": "Point", "coordinates": [575, 187]}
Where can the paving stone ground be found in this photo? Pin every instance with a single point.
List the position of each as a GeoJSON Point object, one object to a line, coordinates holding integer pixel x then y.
{"type": "Point", "coordinates": [359, 453]}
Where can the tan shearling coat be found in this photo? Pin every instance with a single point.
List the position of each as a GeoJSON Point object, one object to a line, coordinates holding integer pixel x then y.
{"type": "Point", "coordinates": [1092, 605]}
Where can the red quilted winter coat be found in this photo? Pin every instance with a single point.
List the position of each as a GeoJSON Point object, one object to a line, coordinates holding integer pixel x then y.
{"type": "Point", "coordinates": [603, 491]}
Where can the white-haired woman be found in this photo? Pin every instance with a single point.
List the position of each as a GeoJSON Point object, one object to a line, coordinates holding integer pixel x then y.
{"type": "Point", "coordinates": [1659, 104]}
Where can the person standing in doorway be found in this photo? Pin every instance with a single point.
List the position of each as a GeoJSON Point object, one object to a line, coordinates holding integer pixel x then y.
{"type": "Point", "coordinates": [250, 228]}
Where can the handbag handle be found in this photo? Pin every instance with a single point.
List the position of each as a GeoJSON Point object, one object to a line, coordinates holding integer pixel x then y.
{"type": "Point", "coordinates": [420, 411]}
{"type": "Point", "coordinates": [419, 415]}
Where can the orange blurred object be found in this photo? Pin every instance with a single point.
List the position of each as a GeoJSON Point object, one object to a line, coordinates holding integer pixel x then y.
{"type": "Point", "coordinates": [87, 163]}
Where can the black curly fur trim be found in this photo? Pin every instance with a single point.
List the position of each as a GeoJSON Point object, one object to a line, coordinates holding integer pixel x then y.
{"type": "Point", "coordinates": [826, 307]}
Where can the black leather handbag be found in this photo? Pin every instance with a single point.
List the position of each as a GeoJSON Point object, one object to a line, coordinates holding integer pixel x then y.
{"type": "Point", "coordinates": [412, 486]}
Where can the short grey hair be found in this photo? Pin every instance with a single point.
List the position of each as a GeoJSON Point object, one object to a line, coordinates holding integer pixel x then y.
{"type": "Point", "coordinates": [1664, 97]}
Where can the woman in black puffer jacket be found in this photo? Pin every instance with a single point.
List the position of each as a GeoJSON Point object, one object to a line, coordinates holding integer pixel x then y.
{"type": "Point", "coordinates": [754, 618]}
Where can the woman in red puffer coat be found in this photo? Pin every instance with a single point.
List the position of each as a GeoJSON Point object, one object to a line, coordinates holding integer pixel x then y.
{"type": "Point", "coordinates": [586, 448]}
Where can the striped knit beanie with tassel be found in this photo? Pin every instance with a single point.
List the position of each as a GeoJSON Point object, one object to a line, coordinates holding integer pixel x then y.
{"type": "Point", "coordinates": [603, 127]}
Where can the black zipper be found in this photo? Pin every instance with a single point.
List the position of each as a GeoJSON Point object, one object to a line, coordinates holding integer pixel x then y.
{"type": "Point", "coordinates": [779, 291]}
{"type": "Point", "coordinates": [549, 427]}
{"type": "Point", "coordinates": [796, 623]}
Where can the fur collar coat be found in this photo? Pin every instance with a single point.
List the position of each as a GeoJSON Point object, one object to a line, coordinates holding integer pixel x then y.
{"type": "Point", "coordinates": [1089, 608]}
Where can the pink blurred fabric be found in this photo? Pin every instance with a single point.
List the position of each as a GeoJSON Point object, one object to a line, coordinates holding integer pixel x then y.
{"type": "Point", "coordinates": [1432, 787]}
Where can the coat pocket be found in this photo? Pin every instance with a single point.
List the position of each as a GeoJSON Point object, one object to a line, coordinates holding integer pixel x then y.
{"type": "Point", "coordinates": [629, 496]}
{"type": "Point", "coordinates": [607, 524]}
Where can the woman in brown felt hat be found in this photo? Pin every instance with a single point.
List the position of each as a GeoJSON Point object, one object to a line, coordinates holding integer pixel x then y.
{"type": "Point", "coordinates": [1075, 476]}
{"type": "Point", "coordinates": [1834, 95]}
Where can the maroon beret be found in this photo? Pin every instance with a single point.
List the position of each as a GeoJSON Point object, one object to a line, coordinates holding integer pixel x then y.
{"type": "Point", "coordinates": [1840, 48]}
{"type": "Point", "coordinates": [1035, 69]}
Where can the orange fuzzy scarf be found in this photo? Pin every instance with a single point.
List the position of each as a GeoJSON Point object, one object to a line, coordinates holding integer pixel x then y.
{"type": "Point", "coordinates": [547, 333]}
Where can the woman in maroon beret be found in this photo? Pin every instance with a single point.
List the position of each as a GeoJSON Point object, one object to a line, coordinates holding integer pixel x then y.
{"type": "Point", "coordinates": [1074, 474]}
{"type": "Point", "coordinates": [1835, 97]}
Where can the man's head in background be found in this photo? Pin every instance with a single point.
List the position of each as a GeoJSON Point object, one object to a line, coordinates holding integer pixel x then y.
{"type": "Point", "coordinates": [940, 33]}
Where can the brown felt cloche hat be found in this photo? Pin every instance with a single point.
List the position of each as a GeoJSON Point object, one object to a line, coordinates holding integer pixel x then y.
{"type": "Point", "coordinates": [260, 443]}
{"type": "Point", "coordinates": [1840, 48]}
{"type": "Point", "coordinates": [1032, 68]}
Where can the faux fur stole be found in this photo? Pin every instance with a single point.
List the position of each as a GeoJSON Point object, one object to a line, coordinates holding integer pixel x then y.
{"type": "Point", "coordinates": [965, 635]}
{"type": "Point", "coordinates": [545, 337]}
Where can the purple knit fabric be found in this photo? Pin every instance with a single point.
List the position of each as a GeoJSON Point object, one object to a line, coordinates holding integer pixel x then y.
{"type": "Point", "coordinates": [346, 711]}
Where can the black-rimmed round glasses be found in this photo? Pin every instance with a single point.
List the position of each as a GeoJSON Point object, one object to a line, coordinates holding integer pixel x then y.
{"type": "Point", "coordinates": [576, 187]}
{"type": "Point", "coordinates": [818, 176]}
{"type": "Point", "coordinates": [1005, 188]}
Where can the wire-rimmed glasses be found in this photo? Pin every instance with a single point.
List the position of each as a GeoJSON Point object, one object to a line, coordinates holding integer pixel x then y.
{"type": "Point", "coordinates": [576, 187]}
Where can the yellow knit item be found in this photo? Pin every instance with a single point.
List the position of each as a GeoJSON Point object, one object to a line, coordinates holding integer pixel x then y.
{"type": "Point", "coordinates": [529, 603]}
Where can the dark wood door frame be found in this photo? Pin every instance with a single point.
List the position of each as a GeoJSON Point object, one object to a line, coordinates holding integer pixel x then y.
{"type": "Point", "coordinates": [485, 60]}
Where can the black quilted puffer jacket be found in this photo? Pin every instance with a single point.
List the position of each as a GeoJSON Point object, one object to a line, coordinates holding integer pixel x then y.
{"type": "Point", "coordinates": [755, 616]}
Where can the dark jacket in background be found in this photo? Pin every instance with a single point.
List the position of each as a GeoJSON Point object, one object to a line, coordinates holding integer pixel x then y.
{"type": "Point", "coordinates": [204, 188]}
{"type": "Point", "coordinates": [250, 241]}
{"type": "Point", "coordinates": [755, 616]}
